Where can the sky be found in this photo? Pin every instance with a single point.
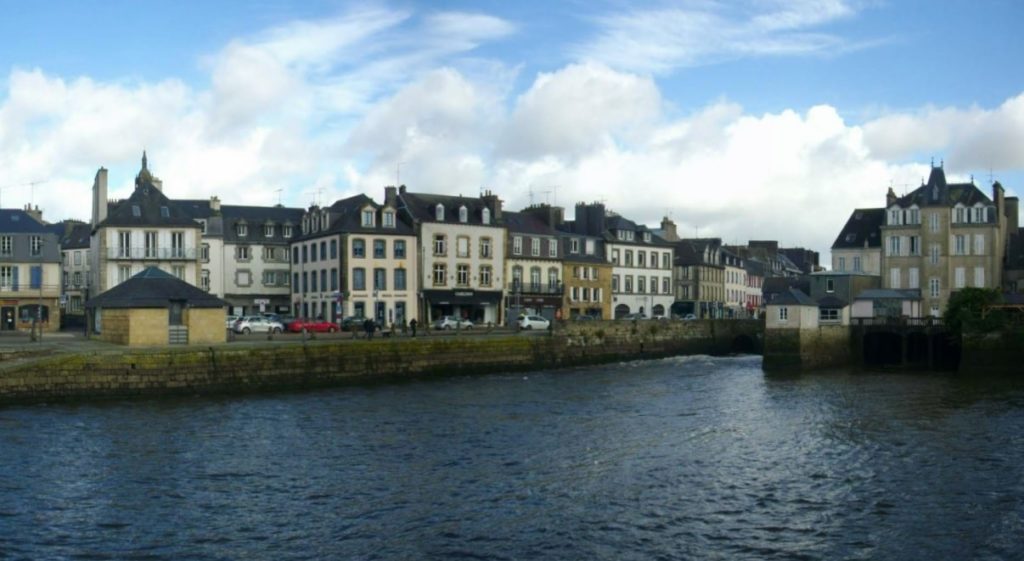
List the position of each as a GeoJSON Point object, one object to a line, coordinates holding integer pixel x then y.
{"type": "Point", "coordinates": [740, 120]}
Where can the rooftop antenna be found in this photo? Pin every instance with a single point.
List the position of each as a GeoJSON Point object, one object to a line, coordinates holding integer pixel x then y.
{"type": "Point", "coordinates": [31, 184]}
{"type": "Point", "coordinates": [398, 174]}
{"type": "Point", "coordinates": [532, 192]}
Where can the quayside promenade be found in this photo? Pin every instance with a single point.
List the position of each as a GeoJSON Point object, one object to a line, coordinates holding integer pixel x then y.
{"type": "Point", "coordinates": [64, 367]}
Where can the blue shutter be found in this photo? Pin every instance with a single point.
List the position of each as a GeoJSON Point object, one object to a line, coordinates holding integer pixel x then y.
{"type": "Point", "coordinates": [36, 277]}
{"type": "Point", "coordinates": [15, 274]}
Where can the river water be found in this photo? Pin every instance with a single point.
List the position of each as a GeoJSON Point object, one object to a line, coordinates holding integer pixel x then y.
{"type": "Point", "coordinates": [684, 458]}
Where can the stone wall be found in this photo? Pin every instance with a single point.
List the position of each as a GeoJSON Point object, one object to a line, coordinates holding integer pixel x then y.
{"type": "Point", "coordinates": [825, 346]}
{"type": "Point", "coordinates": [148, 326]}
{"type": "Point", "coordinates": [241, 367]}
{"type": "Point", "coordinates": [205, 325]}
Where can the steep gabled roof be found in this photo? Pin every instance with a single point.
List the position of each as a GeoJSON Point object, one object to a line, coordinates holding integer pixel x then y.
{"type": "Point", "coordinates": [937, 192]}
{"type": "Point", "coordinates": [863, 227]}
{"type": "Point", "coordinates": [154, 288]}
{"type": "Point", "coordinates": [793, 297]}
{"type": "Point", "coordinates": [147, 206]}
{"type": "Point", "coordinates": [17, 221]}
{"type": "Point", "coordinates": [422, 207]}
{"type": "Point", "coordinates": [255, 217]}
{"type": "Point", "coordinates": [527, 223]}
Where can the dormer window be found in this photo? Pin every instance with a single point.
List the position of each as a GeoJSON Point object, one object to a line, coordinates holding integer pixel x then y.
{"type": "Point", "coordinates": [286, 230]}
{"type": "Point", "coordinates": [439, 212]}
{"type": "Point", "coordinates": [325, 220]}
{"type": "Point", "coordinates": [389, 219]}
{"type": "Point", "coordinates": [485, 216]}
{"type": "Point", "coordinates": [959, 215]}
{"type": "Point", "coordinates": [165, 212]}
{"type": "Point", "coordinates": [242, 229]}
{"type": "Point", "coordinates": [463, 214]}
{"type": "Point", "coordinates": [895, 216]}
{"type": "Point", "coordinates": [305, 224]}
{"type": "Point", "coordinates": [367, 220]}
{"type": "Point", "coordinates": [979, 214]}
{"type": "Point", "coordinates": [268, 230]}
{"type": "Point", "coordinates": [647, 236]}
{"type": "Point", "coordinates": [136, 211]}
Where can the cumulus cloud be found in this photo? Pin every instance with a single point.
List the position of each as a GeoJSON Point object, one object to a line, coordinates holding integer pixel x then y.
{"type": "Point", "coordinates": [702, 32]}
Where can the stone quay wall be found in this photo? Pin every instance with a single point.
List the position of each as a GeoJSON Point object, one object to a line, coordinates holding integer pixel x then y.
{"type": "Point", "coordinates": [826, 346]}
{"type": "Point", "coordinates": [251, 367]}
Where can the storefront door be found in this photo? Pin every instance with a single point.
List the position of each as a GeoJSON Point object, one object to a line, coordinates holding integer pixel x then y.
{"type": "Point", "coordinates": [7, 318]}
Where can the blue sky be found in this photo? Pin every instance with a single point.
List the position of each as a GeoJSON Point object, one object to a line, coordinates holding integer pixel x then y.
{"type": "Point", "coordinates": [728, 116]}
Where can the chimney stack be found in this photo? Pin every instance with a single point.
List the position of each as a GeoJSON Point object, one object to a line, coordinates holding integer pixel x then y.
{"type": "Point", "coordinates": [215, 204]}
{"type": "Point", "coordinates": [668, 230]}
{"type": "Point", "coordinates": [391, 196]}
{"type": "Point", "coordinates": [99, 197]}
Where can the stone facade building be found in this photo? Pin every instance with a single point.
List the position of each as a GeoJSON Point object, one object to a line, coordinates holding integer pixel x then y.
{"type": "Point", "coordinates": [858, 248]}
{"type": "Point", "coordinates": [30, 273]}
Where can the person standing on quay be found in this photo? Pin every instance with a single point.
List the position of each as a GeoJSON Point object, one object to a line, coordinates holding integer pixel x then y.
{"type": "Point", "coordinates": [412, 326]}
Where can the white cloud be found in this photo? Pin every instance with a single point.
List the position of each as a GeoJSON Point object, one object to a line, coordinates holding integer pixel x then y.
{"type": "Point", "coordinates": [702, 32]}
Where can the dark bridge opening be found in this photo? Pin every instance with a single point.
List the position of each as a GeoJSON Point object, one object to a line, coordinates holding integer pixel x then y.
{"type": "Point", "coordinates": [743, 344]}
{"type": "Point", "coordinates": [947, 352]}
{"type": "Point", "coordinates": [917, 349]}
{"type": "Point", "coordinates": [882, 349]}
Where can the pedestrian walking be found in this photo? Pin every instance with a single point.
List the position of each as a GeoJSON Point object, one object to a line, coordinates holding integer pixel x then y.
{"type": "Point", "coordinates": [412, 326]}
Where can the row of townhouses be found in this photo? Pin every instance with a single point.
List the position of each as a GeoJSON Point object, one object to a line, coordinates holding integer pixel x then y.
{"type": "Point", "coordinates": [906, 259]}
{"type": "Point", "coordinates": [412, 255]}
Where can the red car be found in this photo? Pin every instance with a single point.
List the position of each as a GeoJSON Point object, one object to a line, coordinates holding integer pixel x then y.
{"type": "Point", "coordinates": [312, 325]}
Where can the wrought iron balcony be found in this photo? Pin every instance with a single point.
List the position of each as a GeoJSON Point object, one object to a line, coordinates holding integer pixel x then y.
{"type": "Point", "coordinates": [152, 253]}
{"type": "Point", "coordinates": [535, 288]}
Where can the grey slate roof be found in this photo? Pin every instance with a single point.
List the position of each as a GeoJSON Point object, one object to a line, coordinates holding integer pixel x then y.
{"type": "Point", "coordinates": [422, 207]}
{"type": "Point", "coordinates": [864, 225]}
{"type": "Point", "coordinates": [939, 193]}
{"type": "Point", "coordinates": [526, 223]}
{"type": "Point", "coordinates": [793, 297]}
{"type": "Point", "coordinates": [73, 235]}
{"type": "Point", "coordinates": [345, 218]}
{"type": "Point", "coordinates": [147, 206]}
{"type": "Point", "coordinates": [154, 288]}
{"type": "Point", "coordinates": [256, 217]}
{"type": "Point", "coordinates": [17, 221]}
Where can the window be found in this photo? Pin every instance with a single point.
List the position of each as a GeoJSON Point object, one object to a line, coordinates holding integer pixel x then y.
{"type": "Point", "coordinates": [894, 245]}
{"type": "Point", "coordinates": [149, 244]}
{"type": "Point", "coordinates": [979, 277]}
{"type": "Point", "coordinates": [399, 279]}
{"type": "Point", "coordinates": [841, 264]}
{"type": "Point", "coordinates": [517, 276]}
{"type": "Point", "coordinates": [389, 219]}
{"type": "Point", "coordinates": [517, 245]}
{"type": "Point", "coordinates": [933, 222]}
{"type": "Point", "coordinates": [359, 278]}
{"type": "Point", "coordinates": [243, 278]}
{"type": "Point", "coordinates": [77, 278]}
{"type": "Point", "coordinates": [178, 271]}
{"type": "Point", "coordinates": [641, 259]}
{"type": "Point", "coordinates": [440, 274]}
{"type": "Point", "coordinates": [379, 249]}
{"type": "Point", "coordinates": [6, 278]}
{"type": "Point", "coordinates": [856, 264]}
{"type": "Point", "coordinates": [915, 245]}
{"type": "Point", "coordinates": [574, 245]}
{"type": "Point", "coordinates": [399, 249]}
{"type": "Point", "coordinates": [913, 279]}
{"type": "Point", "coordinates": [35, 245]}
{"type": "Point", "coordinates": [979, 214]}
{"type": "Point", "coordinates": [915, 216]}
{"type": "Point", "coordinates": [552, 279]}
{"type": "Point", "coordinates": [287, 231]}
{"type": "Point", "coordinates": [934, 251]}
{"type": "Point", "coordinates": [323, 251]}
{"type": "Point", "coordinates": [979, 244]}
{"type": "Point", "coordinates": [485, 248]}
{"type": "Point", "coordinates": [295, 255]}
{"type": "Point", "coordinates": [959, 245]}
{"type": "Point", "coordinates": [933, 286]}
{"type": "Point", "coordinates": [78, 258]}
{"type": "Point", "coordinates": [552, 248]}
{"type": "Point", "coordinates": [589, 245]}
{"type": "Point", "coordinates": [204, 252]}
{"type": "Point", "coordinates": [463, 214]}
{"type": "Point", "coordinates": [313, 284]}
{"type": "Point", "coordinates": [828, 314]}
{"type": "Point", "coordinates": [666, 260]}
{"type": "Point", "coordinates": [124, 272]}
{"type": "Point", "coordinates": [440, 244]}
{"type": "Point", "coordinates": [615, 283]}
{"type": "Point", "coordinates": [641, 284]}
{"type": "Point", "coordinates": [242, 253]}
{"type": "Point", "coordinates": [462, 275]}
{"type": "Point", "coordinates": [654, 285]}
{"type": "Point", "coordinates": [534, 279]}
{"type": "Point", "coordinates": [629, 258]}
{"type": "Point", "coordinates": [177, 245]}
{"type": "Point", "coordinates": [958, 215]}
{"type": "Point", "coordinates": [830, 285]}
{"type": "Point", "coordinates": [894, 217]}
{"type": "Point", "coordinates": [665, 282]}
{"type": "Point", "coordinates": [358, 247]}
{"type": "Point", "coordinates": [204, 279]}
{"type": "Point", "coordinates": [334, 279]}
{"type": "Point", "coordinates": [462, 246]}
{"type": "Point", "coordinates": [268, 230]}
{"type": "Point", "coordinates": [485, 275]}
{"type": "Point", "coordinates": [269, 278]}
{"type": "Point", "coordinates": [295, 283]}
{"type": "Point", "coordinates": [323, 280]}
{"type": "Point", "coordinates": [7, 246]}
{"type": "Point", "coordinates": [136, 211]}
{"type": "Point", "coordinates": [960, 278]}
{"type": "Point", "coordinates": [439, 212]}
{"type": "Point", "coordinates": [485, 216]}
{"type": "Point", "coordinates": [615, 257]}
{"type": "Point", "coordinates": [334, 249]}
{"type": "Point", "coordinates": [894, 277]}
{"type": "Point", "coordinates": [629, 283]}
{"type": "Point", "coordinates": [242, 229]}
{"type": "Point", "coordinates": [535, 247]}
{"type": "Point", "coordinates": [367, 218]}
{"type": "Point", "coordinates": [783, 313]}
{"type": "Point", "coordinates": [380, 279]}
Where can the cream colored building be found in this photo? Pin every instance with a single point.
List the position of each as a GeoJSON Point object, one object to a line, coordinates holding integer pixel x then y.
{"type": "Point", "coordinates": [858, 248]}
{"type": "Point", "coordinates": [943, 237]}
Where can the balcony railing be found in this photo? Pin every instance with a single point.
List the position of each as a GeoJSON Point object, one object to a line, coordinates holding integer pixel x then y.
{"type": "Point", "coordinates": [153, 253]}
{"type": "Point", "coordinates": [535, 288]}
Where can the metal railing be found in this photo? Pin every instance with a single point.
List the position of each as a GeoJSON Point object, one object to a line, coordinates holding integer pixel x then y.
{"type": "Point", "coordinates": [154, 253]}
{"type": "Point", "coordinates": [927, 321]}
{"type": "Point", "coordinates": [535, 288]}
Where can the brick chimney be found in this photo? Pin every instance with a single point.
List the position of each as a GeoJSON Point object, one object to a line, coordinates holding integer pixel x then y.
{"type": "Point", "coordinates": [492, 202]}
{"type": "Point", "coordinates": [215, 204]}
{"type": "Point", "coordinates": [391, 196]}
{"type": "Point", "coordinates": [34, 213]}
{"type": "Point", "coordinates": [668, 230]}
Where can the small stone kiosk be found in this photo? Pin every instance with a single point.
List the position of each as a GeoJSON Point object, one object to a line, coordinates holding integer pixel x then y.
{"type": "Point", "coordinates": [156, 308]}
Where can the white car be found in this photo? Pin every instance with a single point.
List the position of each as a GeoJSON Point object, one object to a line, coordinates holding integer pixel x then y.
{"type": "Point", "coordinates": [257, 324]}
{"type": "Point", "coordinates": [533, 322]}
{"type": "Point", "coordinates": [452, 322]}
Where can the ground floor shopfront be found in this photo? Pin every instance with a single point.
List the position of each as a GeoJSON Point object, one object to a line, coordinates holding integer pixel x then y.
{"type": "Point", "coordinates": [254, 304]}
{"type": "Point", "coordinates": [544, 305]}
{"type": "Point", "coordinates": [479, 306]}
{"type": "Point", "coordinates": [20, 314]}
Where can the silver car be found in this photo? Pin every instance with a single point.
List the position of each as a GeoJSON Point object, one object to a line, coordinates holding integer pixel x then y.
{"type": "Point", "coordinates": [452, 322]}
{"type": "Point", "coordinates": [257, 324]}
{"type": "Point", "coordinates": [533, 322]}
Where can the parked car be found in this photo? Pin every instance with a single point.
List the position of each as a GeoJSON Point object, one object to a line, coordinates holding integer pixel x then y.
{"type": "Point", "coordinates": [355, 323]}
{"type": "Point", "coordinates": [299, 325]}
{"type": "Point", "coordinates": [230, 321]}
{"type": "Point", "coordinates": [689, 317]}
{"type": "Point", "coordinates": [452, 322]}
{"type": "Point", "coordinates": [257, 324]}
{"type": "Point", "coordinates": [277, 317]}
{"type": "Point", "coordinates": [533, 322]}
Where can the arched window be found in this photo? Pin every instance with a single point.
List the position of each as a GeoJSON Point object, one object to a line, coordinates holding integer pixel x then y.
{"type": "Point", "coordinates": [621, 310]}
{"type": "Point", "coordinates": [552, 279]}
{"type": "Point", "coordinates": [517, 277]}
{"type": "Point", "coordinates": [486, 216]}
{"type": "Point", "coordinates": [534, 279]}
{"type": "Point", "coordinates": [439, 212]}
{"type": "Point", "coordinates": [463, 214]}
